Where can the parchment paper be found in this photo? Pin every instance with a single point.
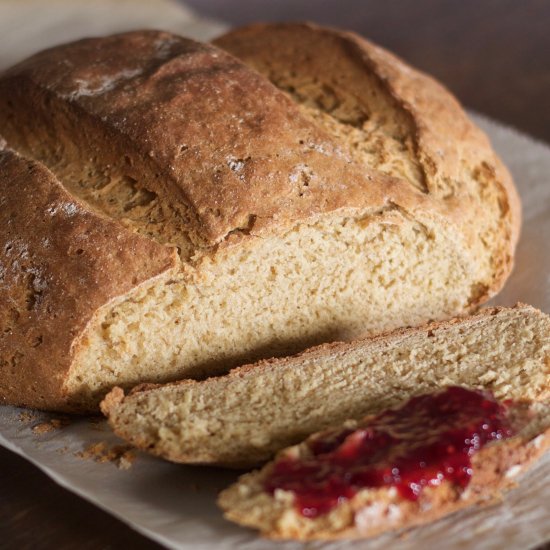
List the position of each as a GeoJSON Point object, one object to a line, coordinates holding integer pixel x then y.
{"type": "Point", "coordinates": [175, 505]}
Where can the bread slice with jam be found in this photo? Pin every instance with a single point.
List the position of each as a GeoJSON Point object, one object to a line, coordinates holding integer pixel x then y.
{"type": "Point", "coordinates": [433, 455]}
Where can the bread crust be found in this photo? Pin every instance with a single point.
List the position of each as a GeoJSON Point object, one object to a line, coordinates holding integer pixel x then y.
{"type": "Point", "coordinates": [59, 262]}
{"type": "Point", "coordinates": [229, 179]}
{"type": "Point", "coordinates": [155, 103]}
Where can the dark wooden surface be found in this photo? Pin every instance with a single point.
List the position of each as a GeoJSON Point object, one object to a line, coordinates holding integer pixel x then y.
{"type": "Point", "coordinates": [493, 54]}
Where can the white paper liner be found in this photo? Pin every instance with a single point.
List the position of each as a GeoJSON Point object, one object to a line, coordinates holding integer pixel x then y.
{"type": "Point", "coordinates": [175, 505]}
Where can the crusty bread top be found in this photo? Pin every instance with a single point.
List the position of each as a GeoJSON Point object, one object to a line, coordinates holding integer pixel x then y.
{"type": "Point", "coordinates": [219, 141]}
{"type": "Point", "coordinates": [446, 145]}
{"type": "Point", "coordinates": [223, 145]}
{"type": "Point", "coordinates": [56, 268]}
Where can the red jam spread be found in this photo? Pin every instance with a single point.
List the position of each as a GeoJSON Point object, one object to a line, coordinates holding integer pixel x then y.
{"type": "Point", "coordinates": [429, 439]}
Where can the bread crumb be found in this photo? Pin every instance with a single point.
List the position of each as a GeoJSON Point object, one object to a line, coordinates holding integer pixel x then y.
{"type": "Point", "coordinates": [127, 459]}
{"type": "Point", "coordinates": [50, 426]}
{"type": "Point", "coordinates": [92, 451]}
{"type": "Point", "coordinates": [121, 455]}
{"type": "Point", "coordinates": [42, 428]}
{"type": "Point", "coordinates": [27, 416]}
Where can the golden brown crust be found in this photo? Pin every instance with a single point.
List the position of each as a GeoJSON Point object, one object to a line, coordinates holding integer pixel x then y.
{"type": "Point", "coordinates": [250, 122]}
{"type": "Point", "coordinates": [232, 174]}
{"type": "Point", "coordinates": [59, 262]}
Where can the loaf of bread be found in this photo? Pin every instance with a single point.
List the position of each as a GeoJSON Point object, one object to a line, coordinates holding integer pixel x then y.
{"type": "Point", "coordinates": [281, 505]}
{"type": "Point", "coordinates": [170, 212]}
{"type": "Point", "coordinates": [243, 418]}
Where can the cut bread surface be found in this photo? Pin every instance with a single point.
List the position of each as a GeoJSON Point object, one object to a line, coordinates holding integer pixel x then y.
{"type": "Point", "coordinates": [243, 418]}
{"type": "Point", "coordinates": [285, 293]}
{"type": "Point", "coordinates": [288, 220]}
{"type": "Point", "coordinates": [372, 511]}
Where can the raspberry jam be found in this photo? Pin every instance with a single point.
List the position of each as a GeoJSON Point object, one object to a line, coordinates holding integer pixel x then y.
{"type": "Point", "coordinates": [429, 439]}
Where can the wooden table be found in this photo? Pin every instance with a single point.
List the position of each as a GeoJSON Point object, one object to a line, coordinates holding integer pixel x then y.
{"type": "Point", "coordinates": [494, 55]}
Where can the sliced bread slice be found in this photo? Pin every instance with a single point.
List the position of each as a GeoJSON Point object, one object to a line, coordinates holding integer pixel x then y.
{"type": "Point", "coordinates": [245, 417]}
{"type": "Point", "coordinates": [328, 487]}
